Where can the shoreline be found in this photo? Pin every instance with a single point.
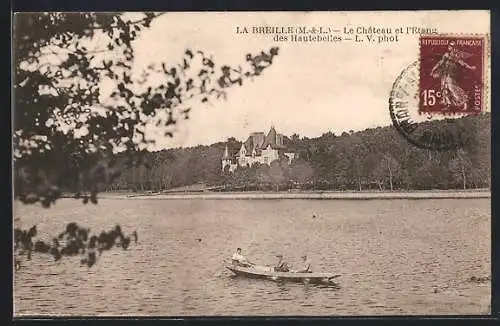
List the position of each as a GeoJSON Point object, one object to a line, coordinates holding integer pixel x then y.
{"type": "Point", "coordinates": [331, 195]}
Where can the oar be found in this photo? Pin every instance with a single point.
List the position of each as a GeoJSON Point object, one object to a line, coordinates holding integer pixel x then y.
{"type": "Point", "coordinates": [334, 276]}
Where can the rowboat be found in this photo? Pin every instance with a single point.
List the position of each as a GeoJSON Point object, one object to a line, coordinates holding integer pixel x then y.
{"type": "Point", "coordinates": [265, 272]}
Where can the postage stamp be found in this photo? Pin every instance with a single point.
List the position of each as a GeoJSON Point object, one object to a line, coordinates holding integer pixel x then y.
{"type": "Point", "coordinates": [451, 74]}
{"type": "Point", "coordinates": [446, 83]}
{"type": "Point", "coordinates": [418, 128]}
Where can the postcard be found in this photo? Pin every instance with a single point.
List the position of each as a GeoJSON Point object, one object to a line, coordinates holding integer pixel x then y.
{"type": "Point", "coordinates": [252, 163]}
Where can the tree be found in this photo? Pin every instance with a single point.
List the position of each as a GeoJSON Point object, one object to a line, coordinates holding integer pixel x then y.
{"type": "Point", "coordinates": [357, 155]}
{"type": "Point", "coordinates": [388, 167]}
{"type": "Point", "coordinates": [67, 137]}
{"type": "Point", "coordinates": [278, 172]}
{"type": "Point", "coordinates": [427, 174]}
{"type": "Point", "coordinates": [460, 166]}
{"type": "Point", "coordinates": [301, 172]}
{"type": "Point", "coordinates": [330, 162]}
{"type": "Point", "coordinates": [262, 174]}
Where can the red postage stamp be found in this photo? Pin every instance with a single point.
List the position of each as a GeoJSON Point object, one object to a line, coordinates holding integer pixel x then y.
{"type": "Point", "coordinates": [451, 75]}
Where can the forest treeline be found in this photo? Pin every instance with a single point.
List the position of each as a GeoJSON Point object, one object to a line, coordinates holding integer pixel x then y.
{"type": "Point", "coordinates": [378, 158]}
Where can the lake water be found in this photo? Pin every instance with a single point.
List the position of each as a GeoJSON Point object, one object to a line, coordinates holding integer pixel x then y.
{"type": "Point", "coordinates": [395, 256]}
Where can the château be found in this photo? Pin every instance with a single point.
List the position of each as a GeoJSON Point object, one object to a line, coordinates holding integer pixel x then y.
{"type": "Point", "coordinates": [260, 148]}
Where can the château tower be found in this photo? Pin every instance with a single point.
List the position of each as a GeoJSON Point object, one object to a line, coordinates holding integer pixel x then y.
{"type": "Point", "coordinates": [226, 159]}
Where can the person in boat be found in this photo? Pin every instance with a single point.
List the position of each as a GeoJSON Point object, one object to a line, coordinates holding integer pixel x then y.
{"type": "Point", "coordinates": [240, 260]}
{"type": "Point", "coordinates": [281, 265]}
{"type": "Point", "coordinates": [306, 268]}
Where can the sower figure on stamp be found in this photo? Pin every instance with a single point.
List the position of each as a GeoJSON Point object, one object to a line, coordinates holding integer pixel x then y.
{"type": "Point", "coordinates": [451, 93]}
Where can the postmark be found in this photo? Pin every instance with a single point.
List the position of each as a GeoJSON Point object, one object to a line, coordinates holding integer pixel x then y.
{"type": "Point", "coordinates": [431, 99]}
{"type": "Point", "coordinates": [426, 131]}
{"type": "Point", "coordinates": [451, 75]}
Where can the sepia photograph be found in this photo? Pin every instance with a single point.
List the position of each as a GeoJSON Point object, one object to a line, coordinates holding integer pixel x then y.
{"type": "Point", "coordinates": [176, 164]}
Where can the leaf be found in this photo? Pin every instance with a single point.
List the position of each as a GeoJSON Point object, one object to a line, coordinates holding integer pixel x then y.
{"type": "Point", "coordinates": [42, 171]}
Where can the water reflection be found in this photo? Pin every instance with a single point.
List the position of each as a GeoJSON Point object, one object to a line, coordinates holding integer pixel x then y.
{"type": "Point", "coordinates": [307, 291]}
{"type": "Point", "coordinates": [281, 285]}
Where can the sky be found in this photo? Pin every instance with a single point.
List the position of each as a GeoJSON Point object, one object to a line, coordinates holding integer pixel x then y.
{"type": "Point", "coordinates": [311, 88]}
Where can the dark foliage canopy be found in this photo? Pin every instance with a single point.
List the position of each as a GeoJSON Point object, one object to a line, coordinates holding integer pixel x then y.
{"type": "Point", "coordinates": [65, 134]}
{"type": "Point", "coordinates": [372, 159]}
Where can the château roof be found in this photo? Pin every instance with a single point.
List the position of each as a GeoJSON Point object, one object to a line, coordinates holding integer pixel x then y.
{"type": "Point", "coordinates": [274, 139]}
{"type": "Point", "coordinates": [258, 141]}
{"type": "Point", "coordinates": [230, 153]}
{"type": "Point", "coordinates": [254, 141]}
